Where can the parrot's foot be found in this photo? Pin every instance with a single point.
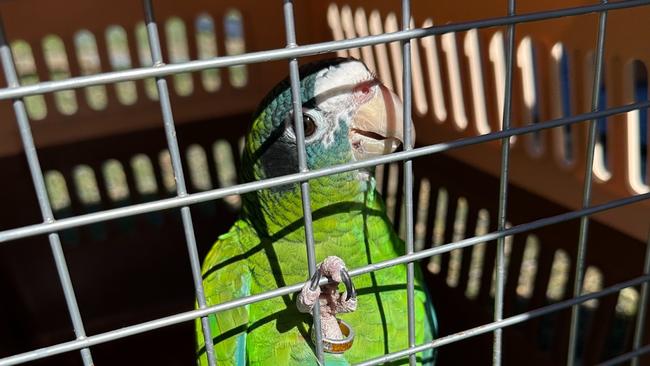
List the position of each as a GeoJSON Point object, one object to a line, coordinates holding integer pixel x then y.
{"type": "Point", "coordinates": [330, 300]}
{"type": "Point", "coordinates": [333, 268]}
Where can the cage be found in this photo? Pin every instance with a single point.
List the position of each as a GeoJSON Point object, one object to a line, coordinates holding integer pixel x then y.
{"type": "Point", "coordinates": [128, 127]}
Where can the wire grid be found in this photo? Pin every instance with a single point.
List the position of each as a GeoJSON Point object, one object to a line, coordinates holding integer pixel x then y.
{"type": "Point", "coordinates": [292, 52]}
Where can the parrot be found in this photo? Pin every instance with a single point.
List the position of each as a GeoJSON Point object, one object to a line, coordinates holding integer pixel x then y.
{"type": "Point", "coordinates": [348, 115]}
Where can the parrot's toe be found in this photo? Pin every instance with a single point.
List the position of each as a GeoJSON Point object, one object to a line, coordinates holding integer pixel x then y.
{"type": "Point", "coordinates": [332, 267]}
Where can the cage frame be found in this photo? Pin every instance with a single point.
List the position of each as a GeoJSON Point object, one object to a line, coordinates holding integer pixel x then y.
{"type": "Point", "coordinates": [183, 200]}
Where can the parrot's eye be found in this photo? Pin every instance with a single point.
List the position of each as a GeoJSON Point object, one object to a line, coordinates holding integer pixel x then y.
{"type": "Point", "coordinates": [309, 125]}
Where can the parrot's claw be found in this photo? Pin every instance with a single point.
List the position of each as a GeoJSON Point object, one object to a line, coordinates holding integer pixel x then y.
{"type": "Point", "coordinates": [315, 279]}
{"type": "Point", "coordinates": [349, 286]}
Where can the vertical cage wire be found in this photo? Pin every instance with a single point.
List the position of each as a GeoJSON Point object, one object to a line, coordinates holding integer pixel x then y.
{"type": "Point", "coordinates": [642, 308]}
{"type": "Point", "coordinates": [181, 189]}
{"type": "Point", "coordinates": [408, 176]}
{"type": "Point", "coordinates": [41, 194]}
{"type": "Point", "coordinates": [637, 349]}
{"type": "Point", "coordinates": [586, 193]}
{"type": "Point", "coordinates": [503, 191]}
{"type": "Point", "coordinates": [294, 76]}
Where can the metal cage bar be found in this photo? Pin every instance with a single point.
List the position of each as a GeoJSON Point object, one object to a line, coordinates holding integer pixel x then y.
{"type": "Point", "coordinates": [637, 350]}
{"type": "Point", "coordinates": [642, 308]}
{"type": "Point", "coordinates": [177, 167]}
{"type": "Point", "coordinates": [408, 176]}
{"type": "Point", "coordinates": [292, 52]}
{"type": "Point", "coordinates": [294, 77]}
{"type": "Point", "coordinates": [38, 180]}
{"type": "Point", "coordinates": [503, 190]}
{"type": "Point", "coordinates": [586, 193]}
{"type": "Point", "coordinates": [634, 355]}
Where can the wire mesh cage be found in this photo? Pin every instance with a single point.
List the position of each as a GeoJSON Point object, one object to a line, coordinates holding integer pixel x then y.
{"type": "Point", "coordinates": [524, 198]}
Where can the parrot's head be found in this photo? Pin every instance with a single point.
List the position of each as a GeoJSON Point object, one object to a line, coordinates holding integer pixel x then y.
{"type": "Point", "coordinates": [348, 115]}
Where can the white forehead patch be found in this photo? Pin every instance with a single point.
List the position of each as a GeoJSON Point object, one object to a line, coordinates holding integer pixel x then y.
{"type": "Point", "coordinates": [346, 74]}
{"type": "Point", "coordinates": [331, 97]}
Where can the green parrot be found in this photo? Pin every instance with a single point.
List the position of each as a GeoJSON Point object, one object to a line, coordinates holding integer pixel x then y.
{"type": "Point", "coordinates": [348, 116]}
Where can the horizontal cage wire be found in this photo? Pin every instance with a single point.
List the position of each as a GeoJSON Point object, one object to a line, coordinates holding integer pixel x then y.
{"type": "Point", "coordinates": [448, 256]}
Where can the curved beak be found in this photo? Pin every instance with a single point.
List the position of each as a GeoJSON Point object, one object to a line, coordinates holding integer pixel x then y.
{"type": "Point", "coordinates": [377, 127]}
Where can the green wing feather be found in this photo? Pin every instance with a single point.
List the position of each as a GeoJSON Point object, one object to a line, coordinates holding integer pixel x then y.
{"type": "Point", "coordinates": [226, 277]}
